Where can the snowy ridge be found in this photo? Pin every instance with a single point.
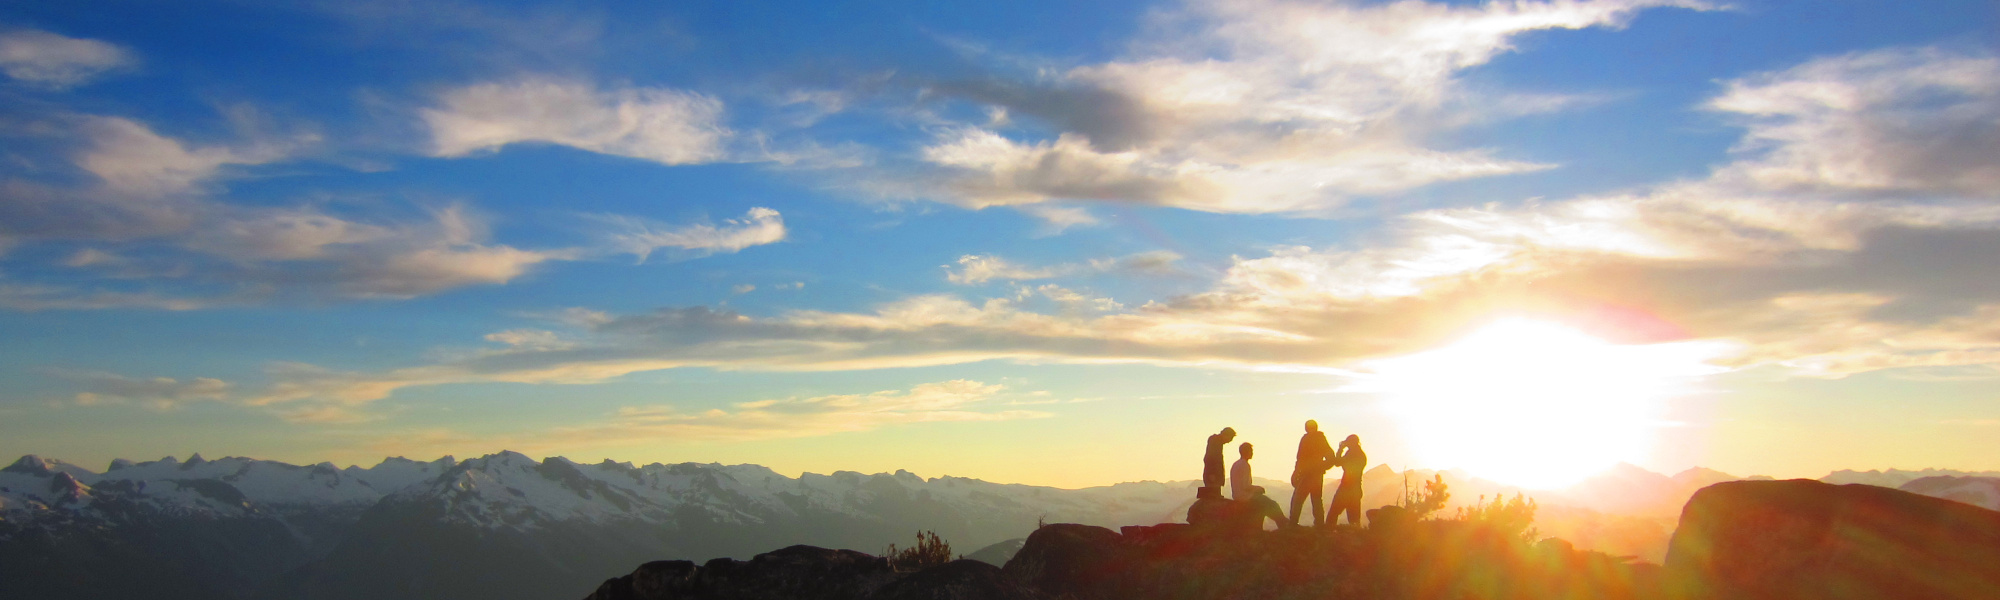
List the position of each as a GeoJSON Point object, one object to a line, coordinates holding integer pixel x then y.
{"type": "Point", "coordinates": [511, 489]}
{"type": "Point", "coordinates": [36, 491]}
{"type": "Point", "coordinates": [259, 481]}
{"type": "Point", "coordinates": [395, 473]}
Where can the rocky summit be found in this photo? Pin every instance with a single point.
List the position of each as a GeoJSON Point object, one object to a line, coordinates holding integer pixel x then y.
{"type": "Point", "coordinates": [1737, 540]}
{"type": "Point", "coordinates": [1431, 559]}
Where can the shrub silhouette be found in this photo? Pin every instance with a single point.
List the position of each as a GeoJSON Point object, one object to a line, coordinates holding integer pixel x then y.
{"type": "Point", "coordinates": [1514, 518]}
{"type": "Point", "coordinates": [1431, 500]}
{"type": "Point", "coordinates": [930, 551]}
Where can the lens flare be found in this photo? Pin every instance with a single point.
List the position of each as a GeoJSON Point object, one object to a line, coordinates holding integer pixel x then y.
{"type": "Point", "coordinates": [1534, 404]}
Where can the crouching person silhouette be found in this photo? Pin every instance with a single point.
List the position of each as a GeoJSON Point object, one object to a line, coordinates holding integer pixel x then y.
{"type": "Point", "coordinates": [1256, 504]}
{"type": "Point", "coordinates": [1211, 463]}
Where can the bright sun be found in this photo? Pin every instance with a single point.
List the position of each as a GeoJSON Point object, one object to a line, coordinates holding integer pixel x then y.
{"type": "Point", "coordinates": [1534, 404]}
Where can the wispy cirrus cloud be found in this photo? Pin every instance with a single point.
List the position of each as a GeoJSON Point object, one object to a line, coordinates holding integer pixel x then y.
{"type": "Point", "coordinates": [980, 268]}
{"type": "Point", "coordinates": [1901, 121]}
{"type": "Point", "coordinates": [138, 187]}
{"type": "Point", "coordinates": [142, 188]}
{"type": "Point", "coordinates": [57, 61]}
{"type": "Point", "coordinates": [157, 393]}
{"type": "Point", "coordinates": [641, 237]}
{"type": "Point", "coordinates": [944, 401]}
{"type": "Point", "coordinates": [662, 125]}
{"type": "Point", "coordinates": [958, 400]}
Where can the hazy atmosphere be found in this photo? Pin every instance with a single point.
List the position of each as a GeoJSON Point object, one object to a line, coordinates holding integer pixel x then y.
{"type": "Point", "coordinates": [1051, 243]}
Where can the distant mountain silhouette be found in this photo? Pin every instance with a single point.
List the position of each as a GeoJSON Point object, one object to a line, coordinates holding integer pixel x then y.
{"type": "Point", "coordinates": [508, 526]}
{"type": "Point", "coordinates": [1983, 492]}
{"type": "Point", "coordinates": [499, 526]}
{"type": "Point", "coordinates": [1895, 478]}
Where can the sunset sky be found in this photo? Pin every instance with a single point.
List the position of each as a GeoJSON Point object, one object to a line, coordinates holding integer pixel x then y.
{"type": "Point", "coordinates": [1041, 242]}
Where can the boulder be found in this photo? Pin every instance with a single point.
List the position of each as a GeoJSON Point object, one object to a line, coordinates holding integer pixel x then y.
{"type": "Point", "coordinates": [794, 573]}
{"type": "Point", "coordinates": [1222, 514]}
{"type": "Point", "coordinates": [1807, 539]}
{"type": "Point", "coordinates": [1085, 562]}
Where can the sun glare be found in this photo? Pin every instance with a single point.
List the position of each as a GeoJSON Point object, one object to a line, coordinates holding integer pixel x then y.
{"type": "Point", "coordinates": [1534, 404]}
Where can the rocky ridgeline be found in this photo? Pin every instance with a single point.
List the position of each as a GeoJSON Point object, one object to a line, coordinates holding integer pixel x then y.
{"type": "Point", "coordinates": [1434, 559]}
{"type": "Point", "coordinates": [1747, 539]}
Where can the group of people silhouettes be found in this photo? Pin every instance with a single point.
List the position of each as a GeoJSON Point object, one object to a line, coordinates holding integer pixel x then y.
{"type": "Point", "coordinates": [1315, 458]}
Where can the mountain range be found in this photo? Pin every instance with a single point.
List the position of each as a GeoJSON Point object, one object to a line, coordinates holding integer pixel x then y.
{"type": "Point", "coordinates": [509, 526]}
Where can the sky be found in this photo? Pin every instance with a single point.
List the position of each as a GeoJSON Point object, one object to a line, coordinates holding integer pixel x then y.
{"type": "Point", "coordinates": [1031, 242]}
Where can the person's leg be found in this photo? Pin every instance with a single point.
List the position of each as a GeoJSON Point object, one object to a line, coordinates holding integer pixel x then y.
{"type": "Point", "coordinates": [1318, 508]}
{"type": "Point", "coordinates": [1346, 500]}
{"type": "Point", "coordinates": [1298, 500]}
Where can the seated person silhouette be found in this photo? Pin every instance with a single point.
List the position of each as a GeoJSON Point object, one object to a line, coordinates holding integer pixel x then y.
{"type": "Point", "coordinates": [1260, 506]}
{"type": "Point", "coordinates": [1347, 498]}
{"type": "Point", "coordinates": [1211, 464]}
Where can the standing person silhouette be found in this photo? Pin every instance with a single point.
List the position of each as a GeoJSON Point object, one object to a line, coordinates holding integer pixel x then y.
{"type": "Point", "coordinates": [1211, 462]}
{"type": "Point", "coordinates": [1309, 473]}
{"type": "Point", "coordinates": [1347, 498]}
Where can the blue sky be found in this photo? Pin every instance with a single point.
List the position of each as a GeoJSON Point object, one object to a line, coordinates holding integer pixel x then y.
{"type": "Point", "coordinates": [1061, 242]}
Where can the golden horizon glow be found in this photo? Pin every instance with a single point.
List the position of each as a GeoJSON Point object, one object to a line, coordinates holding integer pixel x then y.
{"type": "Point", "coordinates": [1534, 404]}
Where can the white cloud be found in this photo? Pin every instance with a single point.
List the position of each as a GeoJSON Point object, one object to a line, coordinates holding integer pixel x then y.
{"type": "Point", "coordinates": [1260, 106]}
{"type": "Point", "coordinates": [640, 237]}
{"type": "Point", "coordinates": [1900, 121]}
{"type": "Point", "coordinates": [539, 339]}
{"type": "Point", "coordinates": [977, 268]}
{"type": "Point", "coordinates": [307, 250]}
{"type": "Point", "coordinates": [32, 298]}
{"type": "Point", "coordinates": [945, 401]}
{"type": "Point", "coordinates": [1060, 218]}
{"type": "Point", "coordinates": [158, 393]}
{"type": "Point", "coordinates": [957, 400]}
{"type": "Point", "coordinates": [980, 268]}
{"type": "Point", "coordinates": [657, 124]}
{"type": "Point", "coordinates": [56, 61]}
{"type": "Point", "coordinates": [152, 189]}
{"type": "Point", "coordinates": [130, 158]}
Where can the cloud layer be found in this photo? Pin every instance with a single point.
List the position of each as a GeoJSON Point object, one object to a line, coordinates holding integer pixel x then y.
{"type": "Point", "coordinates": [1838, 279]}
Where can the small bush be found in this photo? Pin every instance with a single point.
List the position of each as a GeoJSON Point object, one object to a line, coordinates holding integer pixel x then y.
{"type": "Point", "coordinates": [1514, 517]}
{"type": "Point", "coordinates": [1431, 500]}
{"type": "Point", "coordinates": [930, 551]}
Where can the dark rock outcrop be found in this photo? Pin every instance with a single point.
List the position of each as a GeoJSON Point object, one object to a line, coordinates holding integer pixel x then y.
{"type": "Point", "coordinates": [1806, 539]}
{"type": "Point", "coordinates": [1419, 561]}
{"type": "Point", "coordinates": [1083, 561]}
{"type": "Point", "coordinates": [797, 572]}
{"type": "Point", "coordinates": [962, 579]}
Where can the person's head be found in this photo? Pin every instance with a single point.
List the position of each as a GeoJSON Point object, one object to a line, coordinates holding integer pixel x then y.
{"type": "Point", "coordinates": [1246, 450]}
{"type": "Point", "coordinates": [1352, 440]}
{"type": "Point", "coordinates": [1228, 433]}
{"type": "Point", "coordinates": [1312, 426]}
